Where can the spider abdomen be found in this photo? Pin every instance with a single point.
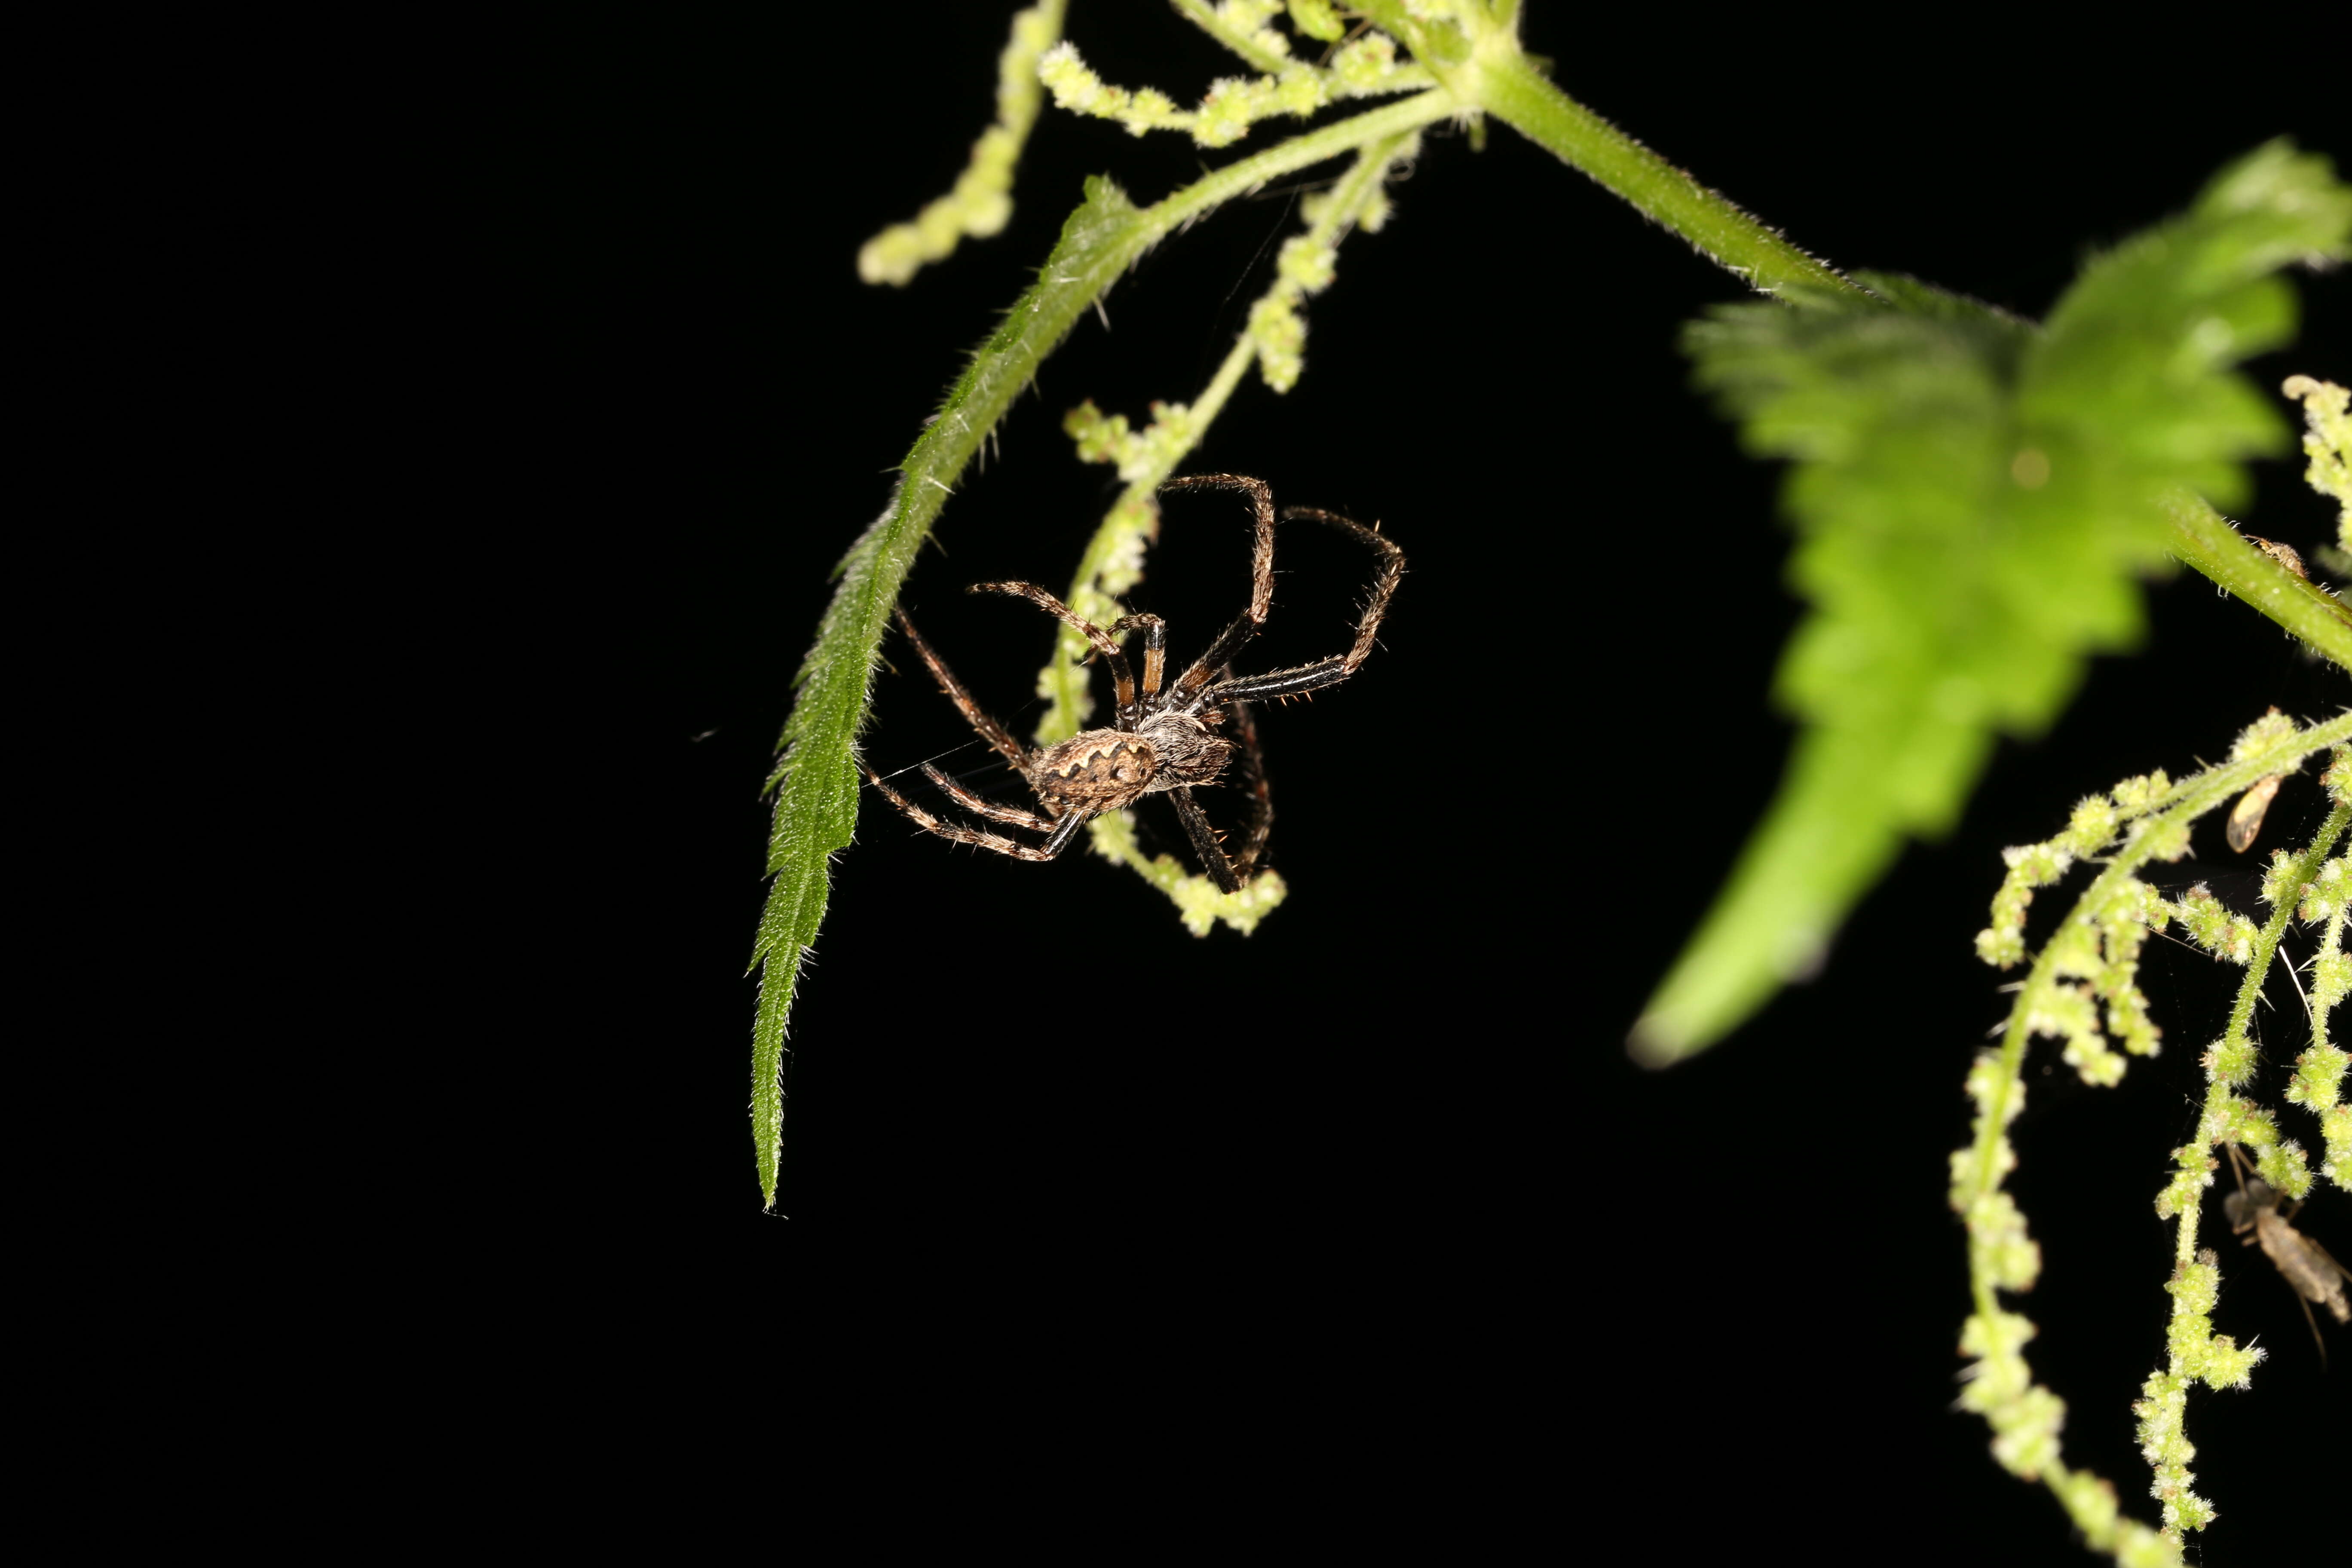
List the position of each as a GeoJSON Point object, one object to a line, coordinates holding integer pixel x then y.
{"type": "Point", "coordinates": [1101, 770]}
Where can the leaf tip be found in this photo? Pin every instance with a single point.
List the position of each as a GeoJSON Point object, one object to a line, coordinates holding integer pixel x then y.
{"type": "Point", "coordinates": [1660, 1040]}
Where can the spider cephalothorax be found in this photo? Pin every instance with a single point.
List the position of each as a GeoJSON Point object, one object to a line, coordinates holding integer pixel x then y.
{"type": "Point", "coordinates": [1162, 741]}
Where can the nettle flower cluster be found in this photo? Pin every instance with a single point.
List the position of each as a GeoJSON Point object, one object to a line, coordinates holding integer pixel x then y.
{"type": "Point", "coordinates": [2327, 442]}
{"type": "Point", "coordinates": [2093, 963]}
{"type": "Point", "coordinates": [981, 203]}
{"type": "Point", "coordinates": [2084, 991]}
{"type": "Point", "coordinates": [1366, 66]}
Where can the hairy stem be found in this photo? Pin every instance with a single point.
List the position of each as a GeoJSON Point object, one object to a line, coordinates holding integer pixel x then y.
{"type": "Point", "coordinates": [1488, 70]}
{"type": "Point", "coordinates": [2204, 539]}
{"type": "Point", "coordinates": [2220, 1098]}
{"type": "Point", "coordinates": [1513, 91]}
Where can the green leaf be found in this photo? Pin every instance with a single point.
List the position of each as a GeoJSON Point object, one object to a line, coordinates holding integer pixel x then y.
{"type": "Point", "coordinates": [1974, 499]}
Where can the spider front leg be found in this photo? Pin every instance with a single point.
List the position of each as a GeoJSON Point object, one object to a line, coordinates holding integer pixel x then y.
{"type": "Point", "coordinates": [1302, 679]}
{"type": "Point", "coordinates": [1236, 636]}
{"type": "Point", "coordinates": [1122, 678]}
{"type": "Point", "coordinates": [988, 729]}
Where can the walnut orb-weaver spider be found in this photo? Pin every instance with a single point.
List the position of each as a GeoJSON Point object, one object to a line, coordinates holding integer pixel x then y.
{"type": "Point", "coordinates": [1162, 742]}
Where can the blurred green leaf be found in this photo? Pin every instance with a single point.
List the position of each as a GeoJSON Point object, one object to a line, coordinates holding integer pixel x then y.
{"type": "Point", "coordinates": [1974, 499]}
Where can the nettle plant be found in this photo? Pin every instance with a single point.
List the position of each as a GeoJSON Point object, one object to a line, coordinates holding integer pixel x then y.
{"type": "Point", "coordinates": [1975, 496]}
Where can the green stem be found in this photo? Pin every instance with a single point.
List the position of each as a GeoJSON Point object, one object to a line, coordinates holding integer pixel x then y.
{"type": "Point", "coordinates": [1300, 152]}
{"type": "Point", "coordinates": [2241, 1012]}
{"type": "Point", "coordinates": [2205, 540]}
{"type": "Point", "coordinates": [1515, 93]}
{"type": "Point", "coordinates": [1486, 68]}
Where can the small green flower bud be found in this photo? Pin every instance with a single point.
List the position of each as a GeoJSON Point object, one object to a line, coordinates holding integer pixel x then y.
{"type": "Point", "coordinates": [1307, 264]}
{"type": "Point", "coordinates": [1281, 338]}
{"type": "Point", "coordinates": [1316, 19]}
{"type": "Point", "coordinates": [2318, 1077]}
{"type": "Point", "coordinates": [2264, 735]}
{"type": "Point", "coordinates": [2322, 897]}
{"type": "Point", "coordinates": [1366, 64]}
{"type": "Point", "coordinates": [2134, 796]}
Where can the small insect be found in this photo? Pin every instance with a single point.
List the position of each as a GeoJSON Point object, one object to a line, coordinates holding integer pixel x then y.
{"type": "Point", "coordinates": [2302, 1262]}
{"type": "Point", "coordinates": [2286, 555]}
{"type": "Point", "coordinates": [1163, 742]}
{"type": "Point", "coordinates": [2246, 816]}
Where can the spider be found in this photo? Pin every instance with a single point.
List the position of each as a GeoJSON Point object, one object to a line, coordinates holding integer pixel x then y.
{"type": "Point", "coordinates": [1163, 742]}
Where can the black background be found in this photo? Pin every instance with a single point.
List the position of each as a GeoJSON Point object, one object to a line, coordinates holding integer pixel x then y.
{"type": "Point", "coordinates": [1369, 1205]}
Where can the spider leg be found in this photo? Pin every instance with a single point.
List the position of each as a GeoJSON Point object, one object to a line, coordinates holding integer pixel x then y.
{"type": "Point", "coordinates": [1204, 840]}
{"type": "Point", "coordinates": [1122, 678]}
{"type": "Point", "coordinates": [1230, 641]}
{"type": "Point", "coordinates": [988, 808]}
{"type": "Point", "coordinates": [1305, 678]}
{"type": "Point", "coordinates": [1063, 831]}
{"type": "Point", "coordinates": [1384, 587]}
{"type": "Point", "coordinates": [1291, 682]}
{"type": "Point", "coordinates": [990, 730]}
{"type": "Point", "coordinates": [1236, 636]}
{"type": "Point", "coordinates": [1262, 504]}
{"type": "Point", "coordinates": [1261, 798]}
{"type": "Point", "coordinates": [1066, 832]}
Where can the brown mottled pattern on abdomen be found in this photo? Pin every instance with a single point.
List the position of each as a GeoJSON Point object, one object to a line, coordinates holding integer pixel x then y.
{"type": "Point", "coordinates": [1099, 771]}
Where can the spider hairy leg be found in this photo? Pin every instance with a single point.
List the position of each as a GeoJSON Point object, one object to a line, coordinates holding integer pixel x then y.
{"type": "Point", "coordinates": [1122, 678]}
{"type": "Point", "coordinates": [1261, 499]}
{"type": "Point", "coordinates": [1302, 678]}
{"type": "Point", "coordinates": [1236, 636]}
{"type": "Point", "coordinates": [988, 729]}
{"type": "Point", "coordinates": [1261, 795]}
{"type": "Point", "coordinates": [1384, 587]}
{"type": "Point", "coordinates": [1204, 842]}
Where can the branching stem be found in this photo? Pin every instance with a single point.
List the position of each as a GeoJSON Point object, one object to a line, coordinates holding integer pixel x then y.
{"type": "Point", "coordinates": [2187, 800]}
